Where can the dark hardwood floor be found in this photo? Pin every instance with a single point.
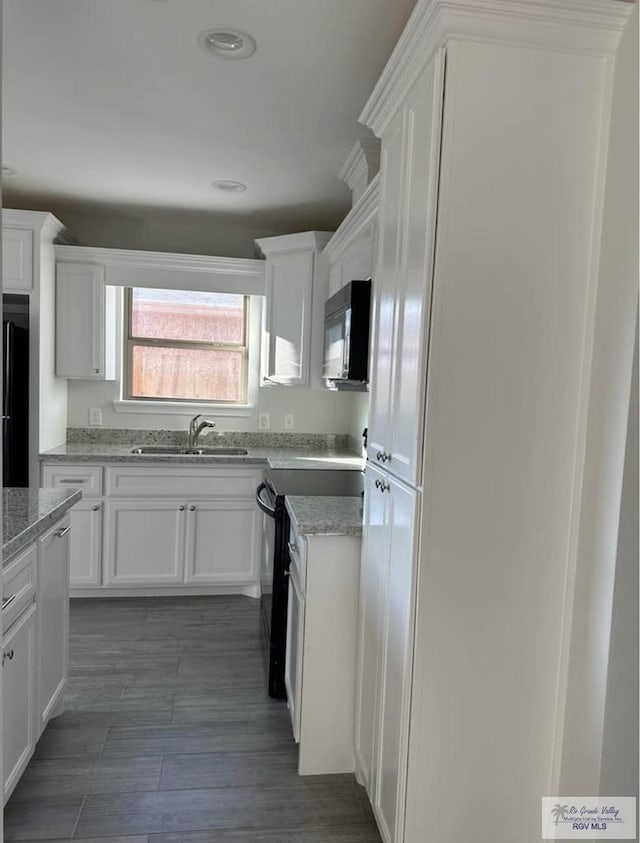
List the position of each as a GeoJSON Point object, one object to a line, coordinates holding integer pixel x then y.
{"type": "Point", "coordinates": [169, 737]}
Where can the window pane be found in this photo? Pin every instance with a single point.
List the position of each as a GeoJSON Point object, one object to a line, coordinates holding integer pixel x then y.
{"type": "Point", "coordinates": [187, 315]}
{"type": "Point", "coordinates": [186, 373]}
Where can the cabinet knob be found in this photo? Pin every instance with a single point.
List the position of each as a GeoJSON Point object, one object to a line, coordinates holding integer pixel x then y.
{"type": "Point", "coordinates": [62, 531]}
{"type": "Point", "coordinates": [378, 484]}
{"type": "Point", "coordinates": [95, 508]}
{"type": "Point", "coordinates": [379, 456]}
{"type": "Point", "coordinates": [96, 371]}
{"type": "Point", "coordinates": [8, 655]}
{"type": "Point", "coordinates": [181, 508]}
{"type": "Point", "coordinates": [192, 509]}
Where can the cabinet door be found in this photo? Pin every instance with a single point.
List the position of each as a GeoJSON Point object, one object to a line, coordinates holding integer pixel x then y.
{"type": "Point", "coordinates": [385, 286]}
{"type": "Point", "coordinates": [144, 542]}
{"type": "Point", "coordinates": [53, 619]}
{"type": "Point", "coordinates": [294, 653]}
{"type": "Point", "coordinates": [375, 554]}
{"type": "Point", "coordinates": [85, 565]}
{"type": "Point", "coordinates": [423, 116]}
{"type": "Point", "coordinates": [17, 259]}
{"type": "Point", "coordinates": [18, 698]}
{"type": "Point", "coordinates": [396, 658]}
{"type": "Point", "coordinates": [85, 323]}
{"type": "Point", "coordinates": [287, 322]}
{"type": "Point", "coordinates": [222, 542]}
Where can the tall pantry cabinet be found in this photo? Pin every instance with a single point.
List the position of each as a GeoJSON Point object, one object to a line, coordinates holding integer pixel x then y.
{"type": "Point", "coordinates": [494, 118]}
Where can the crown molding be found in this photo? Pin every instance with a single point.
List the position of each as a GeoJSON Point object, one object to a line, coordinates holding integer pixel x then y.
{"type": "Point", "coordinates": [305, 240]}
{"type": "Point", "coordinates": [41, 221]}
{"type": "Point", "coordinates": [578, 26]}
{"type": "Point", "coordinates": [357, 220]}
{"type": "Point", "coordinates": [159, 260]}
{"type": "Point", "coordinates": [363, 158]}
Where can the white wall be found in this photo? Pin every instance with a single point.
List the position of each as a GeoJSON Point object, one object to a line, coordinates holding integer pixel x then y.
{"type": "Point", "coordinates": [606, 438]}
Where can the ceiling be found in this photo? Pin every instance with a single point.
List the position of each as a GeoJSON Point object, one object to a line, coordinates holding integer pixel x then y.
{"type": "Point", "coordinates": [112, 103]}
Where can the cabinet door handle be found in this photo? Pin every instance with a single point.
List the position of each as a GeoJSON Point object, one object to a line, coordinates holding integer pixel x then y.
{"type": "Point", "coordinates": [75, 480]}
{"type": "Point", "coordinates": [181, 509]}
{"type": "Point", "coordinates": [8, 655]}
{"type": "Point", "coordinates": [95, 508]}
{"type": "Point", "coordinates": [96, 371]}
{"type": "Point", "coordinates": [192, 509]}
{"type": "Point", "coordinates": [378, 484]}
{"type": "Point", "coordinates": [62, 531]}
{"type": "Point", "coordinates": [379, 456]}
{"type": "Point", "coordinates": [8, 601]}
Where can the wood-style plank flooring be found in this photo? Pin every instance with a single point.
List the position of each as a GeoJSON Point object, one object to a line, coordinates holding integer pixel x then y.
{"type": "Point", "coordinates": [169, 737]}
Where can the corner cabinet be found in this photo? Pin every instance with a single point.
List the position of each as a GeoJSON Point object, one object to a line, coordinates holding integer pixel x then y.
{"type": "Point", "coordinates": [296, 288]}
{"type": "Point", "coordinates": [85, 323]}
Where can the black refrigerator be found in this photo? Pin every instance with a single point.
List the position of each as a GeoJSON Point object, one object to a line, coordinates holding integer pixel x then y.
{"type": "Point", "coordinates": [15, 405]}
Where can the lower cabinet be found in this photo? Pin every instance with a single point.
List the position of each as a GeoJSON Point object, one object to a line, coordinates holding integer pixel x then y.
{"type": "Point", "coordinates": [18, 697]}
{"type": "Point", "coordinates": [85, 563]}
{"type": "Point", "coordinates": [222, 541]}
{"type": "Point", "coordinates": [386, 617]}
{"type": "Point", "coordinates": [53, 620]}
{"type": "Point", "coordinates": [144, 542]}
{"type": "Point", "coordinates": [294, 652]}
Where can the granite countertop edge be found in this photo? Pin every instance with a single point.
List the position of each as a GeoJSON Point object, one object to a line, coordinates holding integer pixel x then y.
{"type": "Point", "coordinates": [267, 457]}
{"type": "Point", "coordinates": [52, 505]}
{"type": "Point", "coordinates": [316, 515]}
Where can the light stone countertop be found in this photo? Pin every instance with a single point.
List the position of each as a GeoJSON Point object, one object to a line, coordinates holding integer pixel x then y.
{"type": "Point", "coordinates": [327, 516]}
{"type": "Point", "coordinates": [318, 458]}
{"type": "Point", "coordinates": [27, 513]}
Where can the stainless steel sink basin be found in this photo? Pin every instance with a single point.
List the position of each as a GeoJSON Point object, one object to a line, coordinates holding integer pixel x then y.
{"type": "Point", "coordinates": [191, 452]}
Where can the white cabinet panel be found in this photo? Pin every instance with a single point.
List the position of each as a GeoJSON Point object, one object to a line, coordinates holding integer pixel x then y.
{"type": "Point", "coordinates": [422, 126]}
{"type": "Point", "coordinates": [222, 541]}
{"type": "Point", "coordinates": [385, 290]}
{"type": "Point", "coordinates": [375, 552]}
{"type": "Point", "coordinates": [17, 259]}
{"type": "Point", "coordinates": [85, 323]}
{"type": "Point", "coordinates": [287, 325]}
{"type": "Point", "coordinates": [144, 542]}
{"type": "Point", "coordinates": [53, 619]}
{"type": "Point", "coordinates": [85, 565]}
{"type": "Point", "coordinates": [19, 578]}
{"type": "Point", "coordinates": [18, 698]}
{"type": "Point", "coordinates": [74, 475]}
{"type": "Point", "coordinates": [294, 654]}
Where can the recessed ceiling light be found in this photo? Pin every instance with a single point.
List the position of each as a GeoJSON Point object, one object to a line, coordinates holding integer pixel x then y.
{"type": "Point", "coordinates": [9, 171]}
{"type": "Point", "coordinates": [227, 43]}
{"type": "Point", "coordinates": [229, 186]}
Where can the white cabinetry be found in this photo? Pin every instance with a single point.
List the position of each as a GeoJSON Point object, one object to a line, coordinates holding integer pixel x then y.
{"type": "Point", "coordinates": [17, 259]}
{"type": "Point", "coordinates": [53, 620]}
{"type": "Point", "coordinates": [402, 289]}
{"type": "Point", "coordinates": [321, 649]}
{"type": "Point", "coordinates": [85, 559]}
{"type": "Point", "coordinates": [483, 394]}
{"type": "Point", "coordinates": [221, 541]}
{"type": "Point", "coordinates": [385, 645]}
{"type": "Point", "coordinates": [296, 288]}
{"type": "Point", "coordinates": [144, 542]}
{"type": "Point", "coordinates": [351, 251]}
{"type": "Point", "coordinates": [85, 323]}
{"type": "Point", "coordinates": [18, 698]}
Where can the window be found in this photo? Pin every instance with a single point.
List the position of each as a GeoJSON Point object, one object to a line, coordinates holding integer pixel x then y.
{"type": "Point", "coordinates": [185, 346]}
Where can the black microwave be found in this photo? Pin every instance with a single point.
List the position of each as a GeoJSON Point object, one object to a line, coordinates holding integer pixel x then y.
{"type": "Point", "coordinates": [347, 316]}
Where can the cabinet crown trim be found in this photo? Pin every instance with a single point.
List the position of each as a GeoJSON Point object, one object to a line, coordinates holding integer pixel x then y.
{"type": "Point", "coordinates": [364, 155]}
{"type": "Point", "coordinates": [593, 26]}
{"type": "Point", "coordinates": [359, 217]}
{"type": "Point", "coordinates": [42, 221]}
{"type": "Point", "coordinates": [305, 240]}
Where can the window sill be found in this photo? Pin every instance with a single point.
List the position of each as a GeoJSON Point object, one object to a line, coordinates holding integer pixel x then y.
{"type": "Point", "coordinates": [176, 408]}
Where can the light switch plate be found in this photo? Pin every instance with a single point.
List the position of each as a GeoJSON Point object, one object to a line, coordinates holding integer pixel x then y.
{"type": "Point", "coordinates": [288, 421]}
{"type": "Point", "coordinates": [264, 421]}
{"type": "Point", "coordinates": [95, 416]}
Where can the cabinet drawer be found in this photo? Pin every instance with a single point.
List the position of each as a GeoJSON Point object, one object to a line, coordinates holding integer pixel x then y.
{"type": "Point", "coordinates": [190, 482]}
{"type": "Point", "coordinates": [85, 477]}
{"type": "Point", "coordinates": [18, 585]}
{"type": "Point", "coordinates": [298, 556]}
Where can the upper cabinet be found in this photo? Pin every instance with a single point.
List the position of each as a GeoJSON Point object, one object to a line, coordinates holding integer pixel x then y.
{"type": "Point", "coordinates": [86, 323]}
{"type": "Point", "coordinates": [402, 288]}
{"type": "Point", "coordinates": [296, 289]}
{"type": "Point", "coordinates": [17, 259]}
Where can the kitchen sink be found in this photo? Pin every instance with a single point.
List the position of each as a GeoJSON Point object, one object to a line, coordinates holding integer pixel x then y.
{"type": "Point", "coordinates": [190, 452]}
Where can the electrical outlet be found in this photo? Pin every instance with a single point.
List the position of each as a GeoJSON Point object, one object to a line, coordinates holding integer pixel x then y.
{"type": "Point", "coordinates": [288, 421]}
{"type": "Point", "coordinates": [264, 421]}
{"type": "Point", "coordinates": [95, 416]}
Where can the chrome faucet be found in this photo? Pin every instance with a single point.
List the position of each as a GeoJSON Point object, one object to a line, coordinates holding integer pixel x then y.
{"type": "Point", "coordinates": [196, 429]}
